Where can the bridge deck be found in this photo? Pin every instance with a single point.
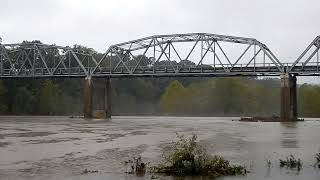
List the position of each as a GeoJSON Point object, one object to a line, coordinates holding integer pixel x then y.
{"type": "Point", "coordinates": [163, 71]}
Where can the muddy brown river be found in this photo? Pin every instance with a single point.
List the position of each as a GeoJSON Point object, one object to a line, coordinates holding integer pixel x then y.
{"type": "Point", "coordinates": [55, 148]}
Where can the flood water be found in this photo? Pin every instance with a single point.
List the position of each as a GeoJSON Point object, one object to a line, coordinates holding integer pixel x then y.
{"type": "Point", "coordinates": [62, 147]}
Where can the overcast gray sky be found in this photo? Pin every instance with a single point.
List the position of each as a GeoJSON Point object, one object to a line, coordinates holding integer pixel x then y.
{"type": "Point", "coordinates": [286, 26]}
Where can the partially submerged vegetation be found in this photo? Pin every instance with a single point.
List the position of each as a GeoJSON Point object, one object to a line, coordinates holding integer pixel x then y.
{"type": "Point", "coordinates": [291, 162]}
{"type": "Point", "coordinates": [86, 171]}
{"type": "Point", "coordinates": [188, 157]}
{"type": "Point", "coordinates": [318, 159]}
{"type": "Point", "coordinates": [136, 166]}
{"type": "Point", "coordinates": [269, 164]}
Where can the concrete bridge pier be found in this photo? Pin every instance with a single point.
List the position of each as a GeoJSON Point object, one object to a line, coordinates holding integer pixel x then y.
{"type": "Point", "coordinates": [288, 97]}
{"type": "Point", "coordinates": [87, 94]}
{"type": "Point", "coordinates": [97, 101]}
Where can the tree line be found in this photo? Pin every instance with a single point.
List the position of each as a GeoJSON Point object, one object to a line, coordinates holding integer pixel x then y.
{"type": "Point", "coordinates": [157, 96]}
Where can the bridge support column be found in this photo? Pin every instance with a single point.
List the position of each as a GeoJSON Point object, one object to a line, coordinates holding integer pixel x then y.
{"type": "Point", "coordinates": [107, 100]}
{"type": "Point", "coordinates": [288, 97]}
{"type": "Point", "coordinates": [97, 101]}
{"type": "Point", "coordinates": [87, 109]}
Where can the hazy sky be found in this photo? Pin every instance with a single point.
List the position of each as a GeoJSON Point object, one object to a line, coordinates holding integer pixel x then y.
{"type": "Point", "coordinates": [286, 26]}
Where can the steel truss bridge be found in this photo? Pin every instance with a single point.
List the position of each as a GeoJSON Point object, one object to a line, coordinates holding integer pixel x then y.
{"type": "Point", "coordinates": [194, 54]}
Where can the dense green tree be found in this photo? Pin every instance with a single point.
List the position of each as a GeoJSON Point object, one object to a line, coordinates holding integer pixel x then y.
{"type": "Point", "coordinates": [220, 97]}
{"type": "Point", "coordinates": [198, 98]}
{"type": "Point", "coordinates": [231, 96]}
{"type": "Point", "coordinates": [3, 105]}
{"type": "Point", "coordinates": [48, 98]}
{"type": "Point", "coordinates": [175, 99]}
{"type": "Point", "coordinates": [70, 97]}
{"type": "Point", "coordinates": [24, 102]}
{"type": "Point", "coordinates": [309, 100]}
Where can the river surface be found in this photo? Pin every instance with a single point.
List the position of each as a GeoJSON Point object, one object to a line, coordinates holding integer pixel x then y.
{"type": "Point", "coordinates": [55, 148]}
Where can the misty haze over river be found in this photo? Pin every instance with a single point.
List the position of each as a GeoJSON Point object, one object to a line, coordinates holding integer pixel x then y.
{"type": "Point", "coordinates": [62, 147]}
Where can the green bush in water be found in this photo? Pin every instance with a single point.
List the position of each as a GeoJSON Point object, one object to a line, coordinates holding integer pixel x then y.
{"type": "Point", "coordinates": [188, 157]}
{"type": "Point", "coordinates": [137, 166]}
{"type": "Point", "coordinates": [291, 162]}
{"type": "Point", "coordinates": [318, 159]}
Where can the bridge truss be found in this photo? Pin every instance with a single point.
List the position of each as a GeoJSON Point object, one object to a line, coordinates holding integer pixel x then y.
{"type": "Point", "coordinates": [189, 54]}
{"type": "Point", "coordinates": [34, 59]}
{"type": "Point", "coordinates": [308, 62]}
{"type": "Point", "coordinates": [162, 55]}
{"type": "Point", "coordinates": [194, 54]}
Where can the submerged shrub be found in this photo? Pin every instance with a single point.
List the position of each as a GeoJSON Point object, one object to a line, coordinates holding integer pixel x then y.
{"type": "Point", "coordinates": [318, 159]}
{"type": "Point", "coordinates": [137, 166]}
{"type": "Point", "coordinates": [188, 157]}
{"type": "Point", "coordinates": [86, 171]}
{"type": "Point", "coordinates": [269, 164]}
{"type": "Point", "coordinates": [291, 162]}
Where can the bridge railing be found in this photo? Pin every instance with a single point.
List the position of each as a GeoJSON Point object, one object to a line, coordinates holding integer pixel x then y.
{"type": "Point", "coordinates": [266, 68]}
{"type": "Point", "coordinates": [147, 70]}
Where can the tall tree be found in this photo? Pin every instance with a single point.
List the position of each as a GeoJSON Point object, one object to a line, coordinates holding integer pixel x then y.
{"type": "Point", "coordinates": [175, 99]}
{"type": "Point", "coordinates": [24, 102]}
{"type": "Point", "coordinates": [3, 105]}
{"type": "Point", "coordinates": [49, 98]}
{"type": "Point", "coordinates": [309, 100]}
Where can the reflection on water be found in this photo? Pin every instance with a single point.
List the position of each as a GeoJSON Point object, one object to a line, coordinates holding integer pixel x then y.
{"type": "Point", "coordinates": [55, 148]}
{"type": "Point", "coordinates": [289, 134]}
